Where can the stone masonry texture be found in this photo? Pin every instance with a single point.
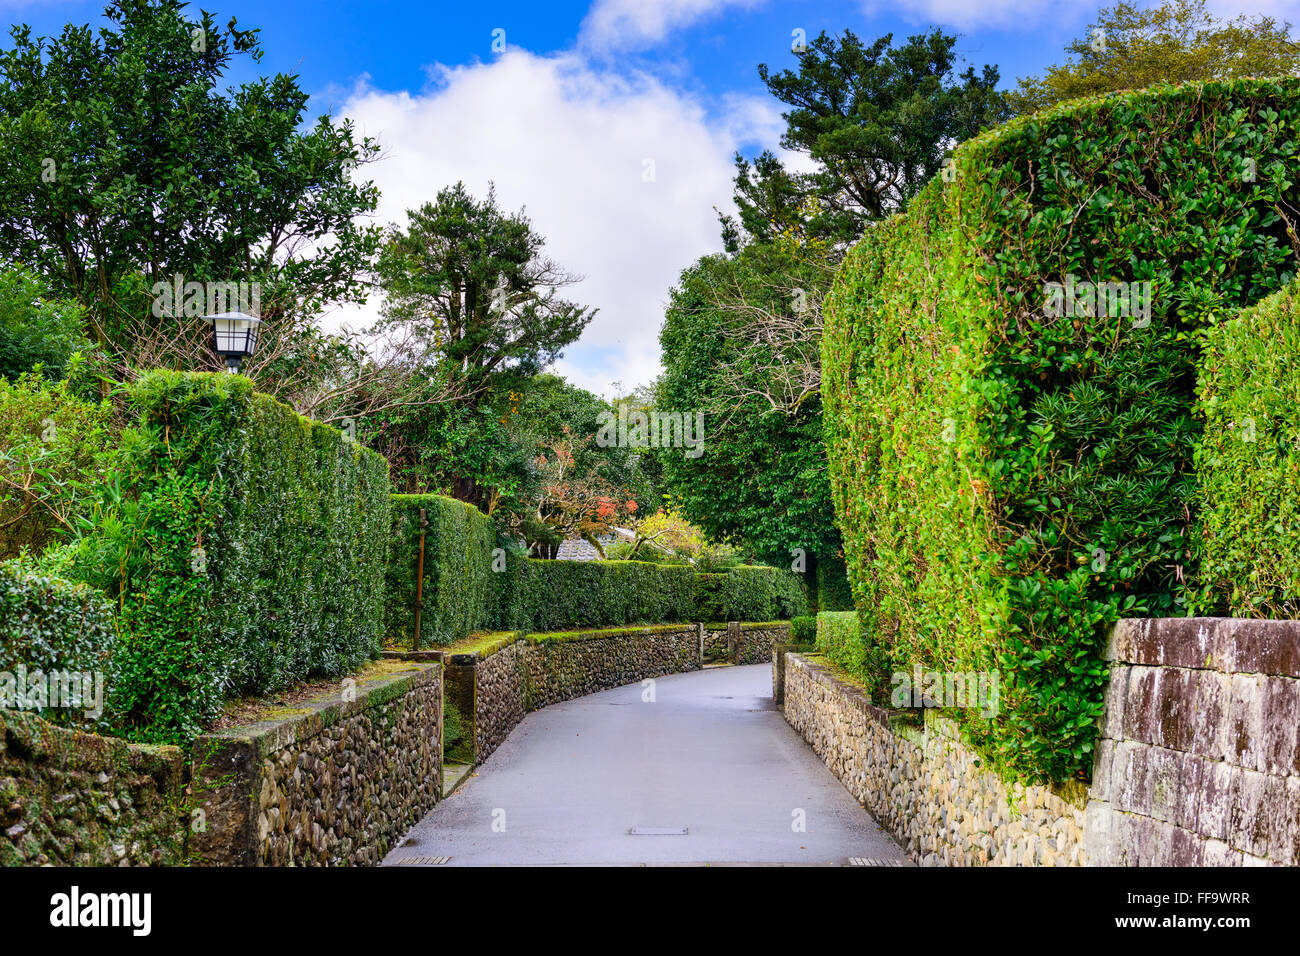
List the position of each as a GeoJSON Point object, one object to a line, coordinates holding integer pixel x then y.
{"type": "Point", "coordinates": [69, 798]}
{"type": "Point", "coordinates": [1199, 757]}
{"type": "Point", "coordinates": [921, 782]}
{"type": "Point", "coordinates": [337, 785]}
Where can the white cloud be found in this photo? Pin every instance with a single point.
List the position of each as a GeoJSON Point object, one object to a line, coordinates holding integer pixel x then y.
{"type": "Point", "coordinates": [570, 143]}
{"type": "Point", "coordinates": [631, 24]}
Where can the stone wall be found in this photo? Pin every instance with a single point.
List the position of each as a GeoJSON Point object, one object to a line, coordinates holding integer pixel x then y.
{"type": "Point", "coordinates": [335, 783]}
{"type": "Point", "coordinates": [745, 642]}
{"type": "Point", "coordinates": [922, 784]}
{"type": "Point", "coordinates": [500, 685]}
{"type": "Point", "coordinates": [70, 798]}
{"type": "Point", "coordinates": [559, 669]}
{"type": "Point", "coordinates": [489, 692]}
{"type": "Point", "coordinates": [1199, 758]}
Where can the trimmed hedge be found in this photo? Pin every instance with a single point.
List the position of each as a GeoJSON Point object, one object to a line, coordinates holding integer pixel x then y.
{"type": "Point", "coordinates": [803, 629]}
{"type": "Point", "coordinates": [537, 595]}
{"type": "Point", "coordinates": [748, 593]}
{"type": "Point", "coordinates": [457, 569]}
{"type": "Point", "coordinates": [48, 624]}
{"type": "Point", "coordinates": [1248, 463]}
{"type": "Point", "coordinates": [1010, 481]}
{"type": "Point", "coordinates": [841, 638]}
{"type": "Point", "coordinates": [246, 551]}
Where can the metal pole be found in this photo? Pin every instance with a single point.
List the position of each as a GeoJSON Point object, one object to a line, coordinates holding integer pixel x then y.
{"type": "Point", "coordinates": [419, 580]}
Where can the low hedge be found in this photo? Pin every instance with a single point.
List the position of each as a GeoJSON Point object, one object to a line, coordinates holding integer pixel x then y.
{"type": "Point", "coordinates": [748, 593]}
{"type": "Point", "coordinates": [803, 629]}
{"type": "Point", "coordinates": [48, 624]}
{"type": "Point", "coordinates": [1011, 467]}
{"type": "Point", "coordinates": [1248, 463]}
{"type": "Point", "coordinates": [245, 547]}
{"type": "Point", "coordinates": [841, 638]}
{"type": "Point", "coordinates": [558, 595]}
{"type": "Point", "coordinates": [457, 569]}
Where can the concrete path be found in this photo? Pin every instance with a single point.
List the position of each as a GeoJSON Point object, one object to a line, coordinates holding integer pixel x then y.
{"type": "Point", "coordinates": [710, 755]}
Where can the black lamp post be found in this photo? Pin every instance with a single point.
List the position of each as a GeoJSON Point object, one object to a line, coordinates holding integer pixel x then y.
{"type": "Point", "coordinates": [234, 336]}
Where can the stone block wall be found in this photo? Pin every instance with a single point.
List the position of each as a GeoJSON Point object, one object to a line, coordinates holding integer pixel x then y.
{"type": "Point", "coordinates": [334, 785]}
{"type": "Point", "coordinates": [70, 798]}
{"type": "Point", "coordinates": [1199, 757]}
{"type": "Point", "coordinates": [921, 782]}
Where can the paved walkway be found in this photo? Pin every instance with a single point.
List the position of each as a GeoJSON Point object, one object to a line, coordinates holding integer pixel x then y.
{"type": "Point", "coordinates": [711, 755]}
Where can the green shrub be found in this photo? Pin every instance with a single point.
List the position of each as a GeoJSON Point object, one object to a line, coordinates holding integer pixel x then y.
{"type": "Point", "coordinates": [1248, 463]}
{"type": "Point", "coordinates": [557, 595]}
{"type": "Point", "coordinates": [457, 569]}
{"type": "Point", "coordinates": [245, 546]}
{"type": "Point", "coordinates": [48, 624]}
{"type": "Point", "coordinates": [55, 452]}
{"type": "Point", "coordinates": [1009, 482]}
{"type": "Point", "coordinates": [748, 593]}
{"type": "Point", "coordinates": [35, 330]}
{"type": "Point", "coordinates": [840, 637]}
{"type": "Point", "coordinates": [803, 629]}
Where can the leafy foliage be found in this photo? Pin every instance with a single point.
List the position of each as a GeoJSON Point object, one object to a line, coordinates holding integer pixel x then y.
{"type": "Point", "coordinates": [749, 594]}
{"type": "Point", "coordinates": [761, 479]}
{"type": "Point", "coordinates": [35, 330]}
{"type": "Point", "coordinates": [1178, 41]}
{"type": "Point", "coordinates": [1010, 481]}
{"type": "Point", "coordinates": [48, 624]}
{"type": "Point", "coordinates": [458, 547]}
{"type": "Point", "coordinates": [245, 548]}
{"type": "Point", "coordinates": [803, 629]}
{"type": "Point", "coordinates": [1248, 463]}
{"type": "Point", "coordinates": [56, 451]}
{"type": "Point", "coordinates": [132, 158]}
{"type": "Point", "coordinates": [840, 637]}
{"type": "Point", "coordinates": [876, 119]}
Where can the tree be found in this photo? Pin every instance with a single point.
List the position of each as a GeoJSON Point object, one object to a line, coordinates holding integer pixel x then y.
{"type": "Point", "coordinates": [1131, 47]}
{"type": "Point", "coordinates": [761, 481]}
{"type": "Point", "coordinates": [472, 282]}
{"type": "Point", "coordinates": [34, 328]}
{"type": "Point", "coordinates": [471, 285]}
{"type": "Point", "coordinates": [129, 163]}
{"type": "Point", "coordinates": [877, 120]}
{"type": "Point", "coordinates": [574, 501]}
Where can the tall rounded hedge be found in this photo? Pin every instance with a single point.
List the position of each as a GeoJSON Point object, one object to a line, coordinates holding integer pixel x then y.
{"type": "Point", "coordinates": [1011, 472]}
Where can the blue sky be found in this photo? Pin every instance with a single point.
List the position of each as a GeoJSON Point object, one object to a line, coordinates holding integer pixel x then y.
{"type": "Point", "coordinates": [585, 98]}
